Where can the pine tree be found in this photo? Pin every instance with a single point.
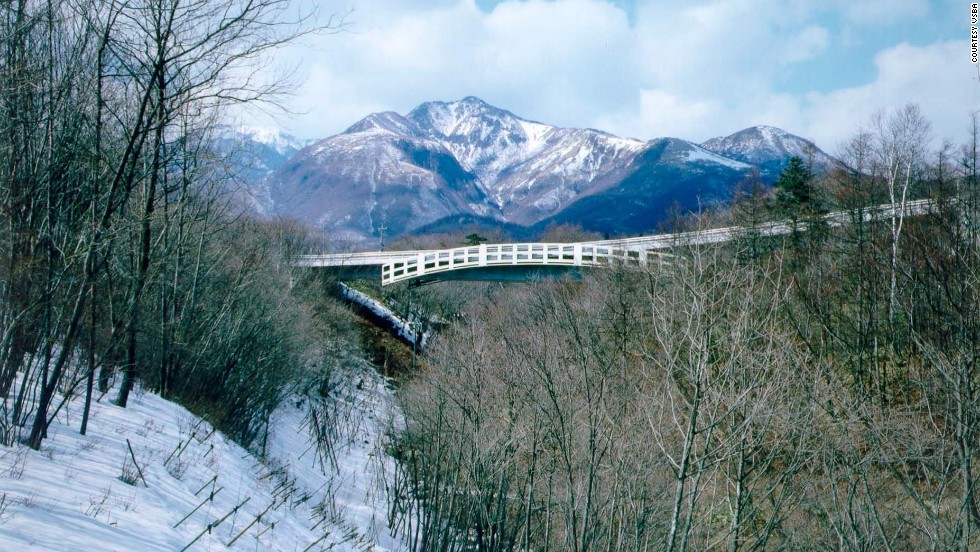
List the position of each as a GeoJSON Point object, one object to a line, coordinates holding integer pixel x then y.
{"type": "Point", "coordinates": [798, 199]}
{"type": "Point", "coordinates": [795, 190]}
{"type": "Point", "coordinates": [475, 239]}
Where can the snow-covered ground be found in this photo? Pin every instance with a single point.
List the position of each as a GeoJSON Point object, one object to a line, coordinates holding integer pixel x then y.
{"type": "Point", "coordinates": [191, 488]}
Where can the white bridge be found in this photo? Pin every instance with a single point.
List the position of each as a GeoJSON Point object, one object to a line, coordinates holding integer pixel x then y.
{"type": "Point", "coordinates": [521, 261]}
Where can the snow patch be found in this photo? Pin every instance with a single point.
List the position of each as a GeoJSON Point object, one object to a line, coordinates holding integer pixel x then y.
{"type": "Point", "coordinates": [699, 155]}
{"type": "Point", "coordinates": [406, 329]}
{"type": "Point", "coordinates": [284, 144]}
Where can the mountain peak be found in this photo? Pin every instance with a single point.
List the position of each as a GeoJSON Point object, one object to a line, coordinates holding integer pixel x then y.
{"type": "Point", "coordinates": [769, 134]}
{"type": "Point", "coordinates": [462, 117]}
{"type": "Point", "coordinates": [283, 143]}
{"type": "Point", "coordinates": [473, 100]}
{"type": "Point", "coordinates": [466, 158]}
{"type": "Point", "coordinates": [764, 144]}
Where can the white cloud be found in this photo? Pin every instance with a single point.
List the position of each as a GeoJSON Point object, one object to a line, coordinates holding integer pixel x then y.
{"type": "Point", "coordinates": [938, 77]}
{"type": "Point", "coordinates": [735, 45]}
{"type": "Point", "coordinates": [693, 69]}
{"type": "Point", "coordinates": [661, 113]}
{"type": "Point", "coordinates": [555, 61]}
{"type": "Point", "coordinates": [808, 43]}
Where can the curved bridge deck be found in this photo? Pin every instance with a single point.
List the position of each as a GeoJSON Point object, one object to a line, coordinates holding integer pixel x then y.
{"type": "Point", "coordinates": [521, 261]}
{"type": "Point", "coordinates": [537, 255]}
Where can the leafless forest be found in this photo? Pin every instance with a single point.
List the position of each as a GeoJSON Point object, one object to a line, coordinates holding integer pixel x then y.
{"type": "Point", "coordinates": [123, 258]}
{"type": "Point", "coordinates": [815, 391]}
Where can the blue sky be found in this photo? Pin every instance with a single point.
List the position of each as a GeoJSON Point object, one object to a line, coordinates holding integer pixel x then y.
{"type": "Point", "coordinates": [645, 68]}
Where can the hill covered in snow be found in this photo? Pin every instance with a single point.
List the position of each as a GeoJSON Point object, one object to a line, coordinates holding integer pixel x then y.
{"type": "Point", "coordinates": [155, 477]}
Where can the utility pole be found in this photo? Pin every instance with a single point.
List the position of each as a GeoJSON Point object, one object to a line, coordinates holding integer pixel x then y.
{"type": "Point", "coordinates": [381, 230]}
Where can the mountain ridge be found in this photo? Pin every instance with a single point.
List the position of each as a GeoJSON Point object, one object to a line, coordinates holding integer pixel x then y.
{"type": "Point", "coordinates": [473, 161]}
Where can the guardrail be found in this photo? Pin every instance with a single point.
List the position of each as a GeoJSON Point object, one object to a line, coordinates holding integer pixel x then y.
{"type": "Point", "coordinates": [373, 258]}
{"type": "Point", "coordinates": [775, 228]}
{"type": "Point", "coordinates": [427, 263]}
{"type": "Point", "coordinates": [397, 266]}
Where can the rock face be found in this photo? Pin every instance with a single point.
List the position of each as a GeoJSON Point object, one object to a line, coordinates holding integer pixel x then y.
{"type": "Point", "coordinates": [467, 160]}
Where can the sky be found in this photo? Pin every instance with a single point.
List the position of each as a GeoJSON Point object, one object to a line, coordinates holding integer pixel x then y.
{"type": "Point", "coordinates": [643, 68]}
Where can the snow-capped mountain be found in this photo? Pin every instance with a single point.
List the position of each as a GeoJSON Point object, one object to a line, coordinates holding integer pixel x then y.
{"type": "Point", "coordinates": [251, 154]}
{"type": "Point", "coordinates": [264, 148]}
{"type": "Point", "coordinates": [281, 142]}
{"type": "Point", "coordinates": [529, 170]}
{"type": "Point", "coordinates": [466, 160]}
{"type": "Point", "coordinates": [381, 172]}
{"type": "Point", "coordinates": [769, 148]}
{"type": "Point", "coordinates": [445, 159]}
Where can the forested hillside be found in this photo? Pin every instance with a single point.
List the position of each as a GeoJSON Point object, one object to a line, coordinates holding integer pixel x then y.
{"type": "Point", "coordinates": [120, 255]}
{"type": "Point", "coordinates": [815, 391]}
{"type": "Point", "coordinates": [129, 273]}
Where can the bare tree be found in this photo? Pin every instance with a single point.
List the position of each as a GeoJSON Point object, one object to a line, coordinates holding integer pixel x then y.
{"type": "Point", "coordinates": [899, 155]}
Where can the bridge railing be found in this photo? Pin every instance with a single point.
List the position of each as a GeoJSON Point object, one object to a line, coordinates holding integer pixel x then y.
{"type": "Point", "coordinates": [372, 258]}
{"type": "Point", "coordinates": [509, 254]}
{"type": "Point", "coordinates": [403, 265]}
{"type": "Point", "coordinates": [914, 207]}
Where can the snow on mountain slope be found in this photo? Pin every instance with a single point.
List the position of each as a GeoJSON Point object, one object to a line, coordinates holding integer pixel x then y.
{"type": "Point", "coordinates": [195, 487]}
{"type": "Point", "coordinates": [283, 143]}
{"type": "Point", "coordinates": [574, 163]}
{"type": "Point", "coordinates": [382, 171]}
{"type": "Point", "coordinates": [250, 155]}
{"type": "Point", "coordinates": [768, 147]}
{"type": "Point", "coordinates": [698, 154]}
{"type": "Point", "coordinates": [447, 162]}
{"type": "Point", "coordinates": [668, 172]}
{"type": "Point", "coordinates": [387, 122]}
{"type": "Point", "coordinates": [528, 169]}
{"type": "Point", "coordinates": [486, 140]}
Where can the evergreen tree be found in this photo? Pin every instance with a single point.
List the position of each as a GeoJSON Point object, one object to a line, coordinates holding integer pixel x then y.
{"type": "Point", "coordinates": [795, 190]}
{"type": "Point", "coordinates": [798, 199]}
{"type": "Point", "coordinates": [475, 239]}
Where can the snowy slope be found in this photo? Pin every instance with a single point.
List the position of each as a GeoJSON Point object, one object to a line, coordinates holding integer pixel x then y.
{"type": "Point", "coordinates": [283, 143]}
{"type": "Point", "coordinates": [383, 171]}
{"type": "Point", "coordinates": [445, 163]}
{"type": "Point", "coordinates": [700, 155]}
{"type": "Point", "coordinates": [71, 496]}
{"type": "Point", "coordinates": [406, 329]}
{"type": "Point", "coordinates": [250, 154]}
{"type": "Point", "coordinates": [443, 160]}
{"type": "Point", "coordinates": [486, 140]}
{"type": "Point", "coordinates": [528, 169]}
{"type": "Point", "coordinates": [768, 147]}
{"type": "Point", "coordinates": [669, 172]}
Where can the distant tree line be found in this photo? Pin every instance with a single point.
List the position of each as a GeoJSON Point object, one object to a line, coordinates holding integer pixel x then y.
{"type": "Point", "coordinates": [819, 390]}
